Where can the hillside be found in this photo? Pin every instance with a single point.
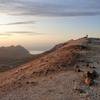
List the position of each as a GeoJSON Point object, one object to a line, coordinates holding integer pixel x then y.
{"type": "Point", "coordinates": [13, 52]}
{"type": "Point", "coordinates": [13, 56]}
{"type": "Point", "coordinates": [51, 75]}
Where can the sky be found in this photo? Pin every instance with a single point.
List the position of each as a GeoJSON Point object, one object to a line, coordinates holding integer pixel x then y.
{"type": "Point", "coordinates": [40, 24]}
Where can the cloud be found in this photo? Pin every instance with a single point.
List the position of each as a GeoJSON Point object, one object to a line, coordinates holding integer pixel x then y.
{"type": "Point", "coordinates": [25, 32]}
{"type": "Point", "coordinates": [5, 34]}
{"type": "Point", "coordinates": [20, 23]}
{"type": "Point", "coordinates": [11, 33]}
{"type": "Point", "coordinates": [52, 8]}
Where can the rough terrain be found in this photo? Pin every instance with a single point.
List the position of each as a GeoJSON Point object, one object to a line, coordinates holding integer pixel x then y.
{"type": "Point", "coordinates": [52, 75]}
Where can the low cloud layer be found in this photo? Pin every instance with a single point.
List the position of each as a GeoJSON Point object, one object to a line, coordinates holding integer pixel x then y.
{"type": "Point", "coordinates": [11, 33]}
{"type": "Point", "coordinates": [20, 23]}
{"type": "Point", "coordinates": [50, 8]}
{"type": "Point", "coordinates": [5, 34]}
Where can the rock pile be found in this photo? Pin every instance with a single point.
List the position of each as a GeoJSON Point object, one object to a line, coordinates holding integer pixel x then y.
{"type": "Point", "coordinates": [88, 77]}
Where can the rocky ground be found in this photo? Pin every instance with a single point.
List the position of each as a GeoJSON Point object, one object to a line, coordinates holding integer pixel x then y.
{"type": "Point", "coordinates": [63, 84]}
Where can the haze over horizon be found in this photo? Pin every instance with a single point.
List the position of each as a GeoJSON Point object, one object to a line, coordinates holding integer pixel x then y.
{"type": "Point", "coordinates": [40, 24]}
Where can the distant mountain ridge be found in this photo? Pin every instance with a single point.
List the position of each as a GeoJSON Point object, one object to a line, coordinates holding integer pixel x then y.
{"type": "Point", "coordinates": [13, 56]}
{"type": "Point", "coordinates": [13, 52]}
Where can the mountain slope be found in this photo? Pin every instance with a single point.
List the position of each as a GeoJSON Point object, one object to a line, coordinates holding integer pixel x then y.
{"type": "Point", "coordinates": [51, 73]}
{"type": "Point", "coordinates": [61, 56]}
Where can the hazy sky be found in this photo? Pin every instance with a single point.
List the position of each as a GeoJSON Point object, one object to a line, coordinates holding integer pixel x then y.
{"type": "Point", "coordinates": [40, 24]}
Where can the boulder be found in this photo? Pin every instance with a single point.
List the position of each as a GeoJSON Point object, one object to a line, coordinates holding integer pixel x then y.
{"type": "Point", "coordinates": [88, 81]}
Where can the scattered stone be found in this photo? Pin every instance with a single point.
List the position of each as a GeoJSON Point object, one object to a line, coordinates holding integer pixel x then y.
{"type": "Point", "coordinates": [80, 90]}
{"type": "Point", "coordinates": [27, 82]}
{"type": "Point", "coordinates": [89, 77]}
{"type": "Point", "coordinates": [77, 69]}
{"type": "Point", "coordinates": [32, 83]}
{"type": "Point", "coordinates": [93, 67]}
{"type": "Point", "coordinates": [87, 65]}
{"type": "Point", "coordinates": [94, 74]}
{"type": "Point", "coordinates": [89, 74]}
{"type": "Point", "coordinates": [88, 81]}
